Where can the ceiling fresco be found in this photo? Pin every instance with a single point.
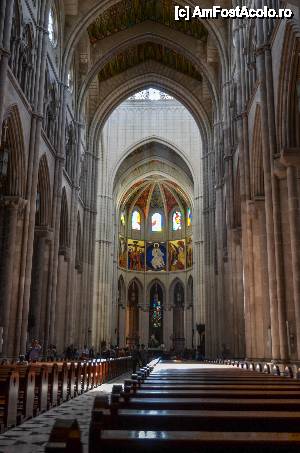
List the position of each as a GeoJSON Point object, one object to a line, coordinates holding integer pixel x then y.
{"type": "Point", "coordinates": [128, 13]}
{"type": "Point", "coordinates": [144, 52]}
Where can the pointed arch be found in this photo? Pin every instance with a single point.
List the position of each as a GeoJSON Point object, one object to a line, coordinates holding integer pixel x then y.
{"type": "Point", "coordinates": [79, 248]}
{"type": "Point", "coordinates": [121, 291]}
{"type": "Point", "coordinates": [288, 117]}
{"type": "Point", "coordinates": [43, 196]}
{"type": "Point", "coordinates": [257, 169]}
{"type": "Point", "coordinates": [13, 141]}
{"type": "Point", "coordinates": [64, 232]}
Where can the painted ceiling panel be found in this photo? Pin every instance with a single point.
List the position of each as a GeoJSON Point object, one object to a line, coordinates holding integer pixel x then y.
{"type": "Point", "coordinates": [148, 51]}
{"type": "Point", "coordinates": [128, 13]}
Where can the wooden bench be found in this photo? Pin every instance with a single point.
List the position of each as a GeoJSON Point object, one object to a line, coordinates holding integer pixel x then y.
{"type": "Point", "coordinates": [64, 437]}
{"type": "Point", "coordinates": [9, 390]}
{"type": "Point", "coordinates": [110, 441]}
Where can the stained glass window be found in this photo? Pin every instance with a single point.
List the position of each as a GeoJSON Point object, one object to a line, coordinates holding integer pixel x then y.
{"type": "Point", "coordinates": [156, 222]}
{"type": "Point", "coordinates": [156, 311]}
{"type": "Point", "coordinates": [136, 220]}
{"type": "Point", "coordinates": [176, 221]}
{"type": "Point", "coordinates": [123, 218]}
{"type": "Point", "coordinates": [189, 217]}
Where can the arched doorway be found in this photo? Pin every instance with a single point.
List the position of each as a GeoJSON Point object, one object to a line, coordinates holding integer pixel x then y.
{"type": "Point", "coordinates": [156, 315]}
{"type": "Point", "coordinates": [178, 317]}
{"type": "Point", "coordinates": [132, 311]}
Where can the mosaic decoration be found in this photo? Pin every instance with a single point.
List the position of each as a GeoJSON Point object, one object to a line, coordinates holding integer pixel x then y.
{"type": "Point", "coordinates": [156, 256]}
{"type": "Point", "coordinates": [122, 252]}
{"type": "Point", "coordinates": [156, 222]}
{"type": "Point", "coordinates": [144, 52]}
{"type": "Point", "coordinates": [176, 256]}
{"type": "Point", "coordinates": [128, 13]}
{"type": "Point", "coordinates": [136, 220]}
{"type": "Point", "coordinates": [189, 217]}
{"type": "Point", "coordinates": [176, 221]}
{"type": "Point", "coordinates": [136, 255]}
{"type": "Point", "coordinates": [189, 252]}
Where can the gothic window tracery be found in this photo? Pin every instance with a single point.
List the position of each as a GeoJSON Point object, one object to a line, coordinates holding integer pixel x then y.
{"type": "Point", "coordinates": [22, 53]}
{"type": "Point", "coordinates": [51, 105]}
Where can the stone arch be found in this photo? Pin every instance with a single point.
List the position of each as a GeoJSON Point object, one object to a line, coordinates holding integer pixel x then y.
{"type": "Point", "coordinates": [156, 80]}
{"type": "Point", "coordinates": [213, 27]}
{"type": "Point", "coordinates": [178, 302]}
{"type": "Point", "coordinates": [288, 117]}
{"type": "Point", "coordinates": [13, 183]}
{"type": "Point", "coordinates": [156, 35]}
{"type": "Point", "coordinates": [257, 173]}
{"type": "Point", "coordinates": [146, 141]}
{"type": "Point", "coordinates": [134, 294]}
{"type": "Point", "coordinates": [79, 245]}
{"type": "Point", "coordinates": [64, 232]}
{"type": "Point", "coordinates": [121, 291]}
{"type": "Point", "coordinates": [43, 196]}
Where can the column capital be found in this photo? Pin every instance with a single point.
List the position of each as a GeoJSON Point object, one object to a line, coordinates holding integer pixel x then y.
{"type": "Point", "coordinates": [279, 169]}
{"type": "Point", "coordinates": [290, 157]}
{"type": "Point", "coordinates": [10, 202]}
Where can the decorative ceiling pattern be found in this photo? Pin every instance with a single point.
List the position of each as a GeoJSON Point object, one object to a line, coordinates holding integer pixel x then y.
{"type": "Point", "coordinates": [144, 52]}
{"type": "Point", "coordinates": [159, 194]}
{"type": "Point", "coordinates": [128, 13]}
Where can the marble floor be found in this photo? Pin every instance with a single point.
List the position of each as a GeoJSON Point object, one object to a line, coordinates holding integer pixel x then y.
{"type": "Point", "coordinates": [31, 436]}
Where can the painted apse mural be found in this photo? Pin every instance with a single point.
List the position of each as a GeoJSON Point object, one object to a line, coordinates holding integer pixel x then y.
{"type": "Point", "coordinates": [155, 248]}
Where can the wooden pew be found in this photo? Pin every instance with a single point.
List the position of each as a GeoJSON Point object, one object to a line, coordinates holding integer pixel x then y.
{"type": "Point", "coordinates": [26, 392]}
{"type": "Point", "coordinates": [9, 389]}
{"type": "Point", "coordinates": [41, 388]}
{"type": "Point", "coordinates": [133, 441]}
{"type": "Point", "coordinates": [64, 437]}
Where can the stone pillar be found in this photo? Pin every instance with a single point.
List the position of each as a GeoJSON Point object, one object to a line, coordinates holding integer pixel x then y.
{"type": "Point", "coordinates": [260, 59]}
{"type": "Point", "coordinates": [37, 301]}
{"type": "Point", "coordinates": [32, 170]}
{"type": "Point", "coordinates": [11, 207]}
{"type": "Point", "coordinates": [291, 159]}
{"type": "Point", "coordinates": [121, 326]}
{"type": "Point", "coordinates": [6, 12]}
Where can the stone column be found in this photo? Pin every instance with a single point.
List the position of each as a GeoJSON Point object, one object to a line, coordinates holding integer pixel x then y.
{"type": "Point", "coordinates": [291, 159]}
{"type": "Point", "coordinates": [260, 58]}
{"type": "Point", "coordinates": [121, 326]}
{"type": "Point", "coordinates": [11, 207]}
{"type": "Point", "coordinates": [32, 170]}
{"type": "Point", "coordinates": [6, 12]}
